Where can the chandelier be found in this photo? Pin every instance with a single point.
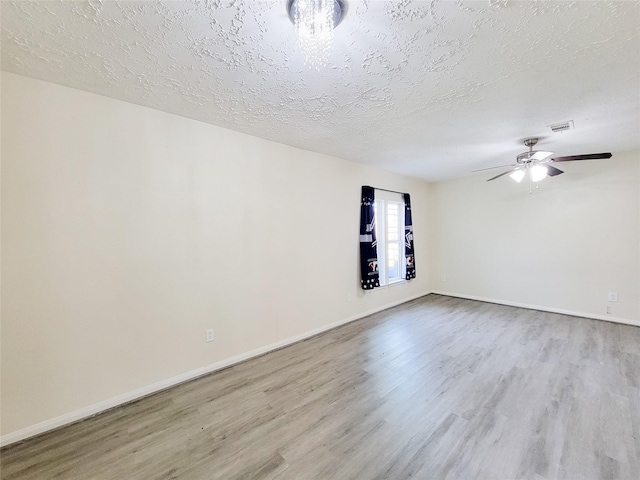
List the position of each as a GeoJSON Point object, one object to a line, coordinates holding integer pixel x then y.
{"type": "Point", "coordinates": [314, 21]}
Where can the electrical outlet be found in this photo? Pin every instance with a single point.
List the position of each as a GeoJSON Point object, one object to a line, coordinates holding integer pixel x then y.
{"type": "Point", "coordinates": [349, 297]}
{"type": "Point", "coordinates": [612, 296]}
{"type": "Point", "coordinates": [443, 278]}
{"type": "Point", "coordinates": [210, 335]}
{"type": "Point", "coordinates": [608, 310]}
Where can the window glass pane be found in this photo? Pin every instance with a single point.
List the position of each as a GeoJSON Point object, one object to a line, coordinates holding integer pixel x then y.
{"type": "Point", "coordinates": [393, 260]}
{"type": "Point", "coordinates": [389, 214]}
{"type": "Point", "coordinates": [379, 209]}
{"type": "Point", "coordinates": [392, 222]}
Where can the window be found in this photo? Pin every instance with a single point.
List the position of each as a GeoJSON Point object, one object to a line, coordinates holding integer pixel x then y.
{"type": "Point", "coordinates": [389, 211]}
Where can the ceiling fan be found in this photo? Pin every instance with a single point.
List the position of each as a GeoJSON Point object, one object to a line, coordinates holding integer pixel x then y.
{"type": "Point", "coordinates": [537, 163]}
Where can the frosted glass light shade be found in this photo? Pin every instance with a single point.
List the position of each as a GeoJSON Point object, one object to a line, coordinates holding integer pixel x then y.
{"type": "Point", "coordinates": [538, 172]}
{"type": "Point", "coordinates": [518, 175]}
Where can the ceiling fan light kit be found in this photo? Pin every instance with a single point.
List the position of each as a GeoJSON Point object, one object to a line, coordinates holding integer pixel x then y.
{"type": "Point", "coordinates": [536, 163]}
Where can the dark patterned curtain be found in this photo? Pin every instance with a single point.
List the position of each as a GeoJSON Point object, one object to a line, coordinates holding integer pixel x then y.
{"type": "Point", "coordinates": [408, 239]}
{"type": "Point", "coordinates": [369, 277]}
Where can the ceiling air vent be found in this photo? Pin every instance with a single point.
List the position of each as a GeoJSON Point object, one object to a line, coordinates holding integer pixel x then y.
{"type": "Point", "coordinates": [562, 126]}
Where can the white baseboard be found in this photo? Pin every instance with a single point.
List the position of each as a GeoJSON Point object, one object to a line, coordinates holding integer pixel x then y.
{"type": "Point", "coordinates": [119, 400]}
{"type": "Point", "coordinates": [606, 318]}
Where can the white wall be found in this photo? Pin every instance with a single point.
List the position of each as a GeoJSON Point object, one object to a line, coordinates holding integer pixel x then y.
{"type": "Point", "coordinates": [126, 232]}
{"type": "Point", "coordinates": [562, 248]}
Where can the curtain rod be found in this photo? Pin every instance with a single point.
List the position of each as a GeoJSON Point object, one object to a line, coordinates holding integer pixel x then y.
{"type": "Point", "coordinates": [392, 191]}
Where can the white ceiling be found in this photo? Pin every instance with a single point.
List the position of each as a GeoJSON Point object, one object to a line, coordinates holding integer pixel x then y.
{"type": "Point", "coordinates": [432, 89]}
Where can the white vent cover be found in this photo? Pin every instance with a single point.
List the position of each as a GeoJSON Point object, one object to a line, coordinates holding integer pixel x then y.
{"type": "Point", "coordinates": [562, 126]}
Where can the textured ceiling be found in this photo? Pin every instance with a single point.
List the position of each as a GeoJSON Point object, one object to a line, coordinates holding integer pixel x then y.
{"type": "Point", "coordinates": [432, 89]}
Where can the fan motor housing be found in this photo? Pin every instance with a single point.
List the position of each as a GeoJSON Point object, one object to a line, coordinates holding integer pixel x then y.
{"type": "Point", "coordinates": [525, 157]}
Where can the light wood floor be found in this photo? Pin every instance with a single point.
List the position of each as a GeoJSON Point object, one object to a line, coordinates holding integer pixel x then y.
{"type": "Point", "coordinates": [436, 388]}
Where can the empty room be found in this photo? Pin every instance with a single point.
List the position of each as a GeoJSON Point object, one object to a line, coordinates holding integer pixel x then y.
{"type": "Point", "coordinates": [320, 239]}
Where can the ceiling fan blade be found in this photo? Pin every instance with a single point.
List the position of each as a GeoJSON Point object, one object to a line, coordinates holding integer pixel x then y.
{"type": "Point", "coordinates": [541, 155]}
{"type": "Point", "coordinates": [590, 156]}
{"type": "Point", "coordinates": [491, 168]}
{"type": "Point", "coordinates": [503, 173]}
{"type": "Point", "coordinates": [553, 171]}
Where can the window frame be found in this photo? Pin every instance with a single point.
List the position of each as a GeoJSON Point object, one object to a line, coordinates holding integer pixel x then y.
{"type": "Point", "coordinates": [381, 207]}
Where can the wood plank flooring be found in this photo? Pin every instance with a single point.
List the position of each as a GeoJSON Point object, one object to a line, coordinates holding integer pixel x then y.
{"type": "Point", "coordinates": [436, 388]}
